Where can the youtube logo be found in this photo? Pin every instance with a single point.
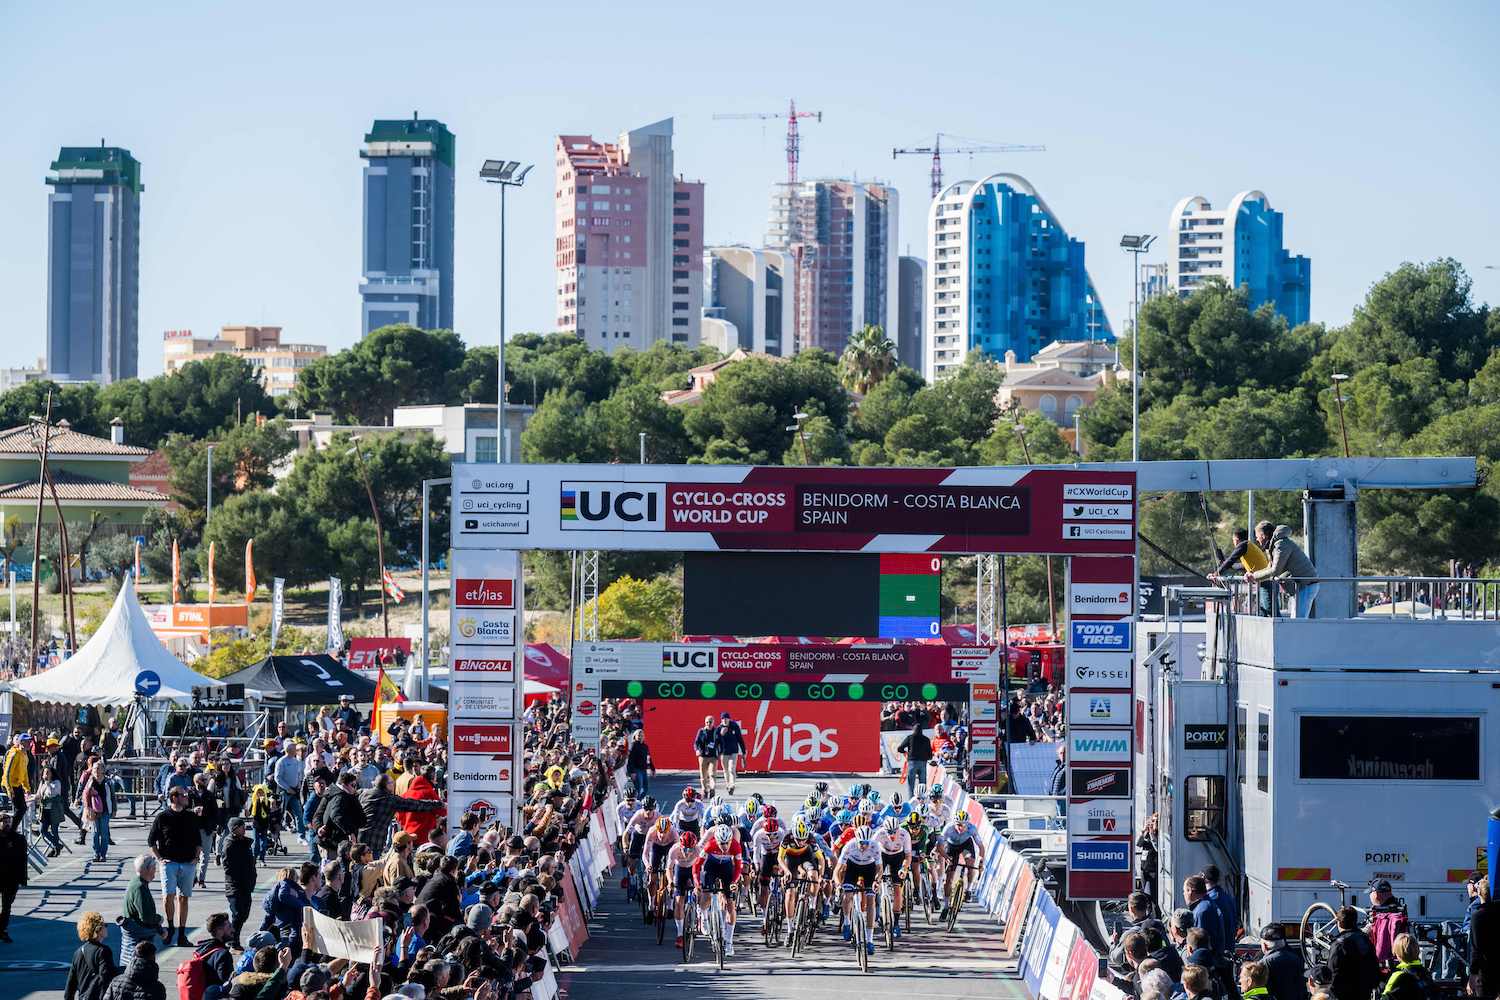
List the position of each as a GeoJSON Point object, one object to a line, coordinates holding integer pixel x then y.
{"type": "Point", "coordinates": [484, 593]}
{"type": "Point", "coordinates": [489, 739]}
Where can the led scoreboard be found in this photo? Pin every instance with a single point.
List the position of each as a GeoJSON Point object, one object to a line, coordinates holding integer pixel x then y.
{"type": "Point", "coordinates": [872, 690]}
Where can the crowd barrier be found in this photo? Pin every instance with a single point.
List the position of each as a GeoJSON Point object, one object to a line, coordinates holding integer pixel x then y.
{"type": "Point", "coordinates": [594, 857]}
{"type": "Point", "coordinates": [1056, 962]}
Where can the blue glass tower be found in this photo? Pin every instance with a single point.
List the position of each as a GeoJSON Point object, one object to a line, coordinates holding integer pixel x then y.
{"type": "Point", "coordinates": [1004, 276]}
{"type": "Point", "coordinates": [408, 225]}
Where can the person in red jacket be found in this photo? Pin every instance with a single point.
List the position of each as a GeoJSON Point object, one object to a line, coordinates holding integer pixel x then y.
{"type": "Point", "coordinates": [421, 824]}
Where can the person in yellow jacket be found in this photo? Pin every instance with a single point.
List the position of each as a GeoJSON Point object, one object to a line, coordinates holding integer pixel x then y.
{"type": "Point", "coordinates": [1252, 558]}
{"type": "Point", "coordinates": [15, 777]}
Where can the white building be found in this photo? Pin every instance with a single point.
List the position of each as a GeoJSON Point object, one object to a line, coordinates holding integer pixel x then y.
{"type": "Point", "coordinates": [749, 290]}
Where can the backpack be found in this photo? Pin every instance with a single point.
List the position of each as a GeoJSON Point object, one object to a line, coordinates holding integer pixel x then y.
{"type": "Point", "coordinates": [193, 975]}
{"type": "Point", "coordinates": [1385, 924]}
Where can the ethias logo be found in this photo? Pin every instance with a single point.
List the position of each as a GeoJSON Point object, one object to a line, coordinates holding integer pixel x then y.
{"type": "Point", "coordinates": [798, 742]}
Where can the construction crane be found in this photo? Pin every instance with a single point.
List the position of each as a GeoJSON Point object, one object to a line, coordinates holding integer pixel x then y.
{"type": "Point", "coordinates": [793, 140]}
{"type": "Point", "coordinates": [936, 152]}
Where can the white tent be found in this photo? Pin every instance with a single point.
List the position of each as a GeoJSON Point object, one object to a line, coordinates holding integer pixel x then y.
{"type": "Point", "coordinates": [104, 670]}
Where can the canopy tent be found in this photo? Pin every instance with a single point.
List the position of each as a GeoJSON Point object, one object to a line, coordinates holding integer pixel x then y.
{"type": "Point", "coordinates": [104, 671]}
{"type": "Point", "coordinates": [546, 663]}
{"type": "Point", "coordinates": [314, 679]}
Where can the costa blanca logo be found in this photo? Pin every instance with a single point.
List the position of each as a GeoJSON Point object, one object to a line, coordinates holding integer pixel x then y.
{"type": "Point", "coordinates": [478, 627]}
{"type": "Point", "coordinates": [593, 506]}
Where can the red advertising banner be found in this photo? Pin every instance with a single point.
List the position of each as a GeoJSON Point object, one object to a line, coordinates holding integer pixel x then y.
{"type": "Point", "coordinates": [490, 739]}
{"type": "Point", "coordinates": [571, 913]}
{"type": "Point", "coordinates": [1082, 967]}
{"type": "Point", "coordinates": [364, 651]}
{"type": "Point", "coordinates": [484, 593]}
{"type": "Point", "coordinates": [781, 736]}
{"type": "Point", "coordinates": [1020, 905]}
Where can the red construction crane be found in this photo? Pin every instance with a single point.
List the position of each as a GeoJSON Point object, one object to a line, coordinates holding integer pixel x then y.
{"type": "Point", "coordinates": [980, 146]}
{"type": "Point", "coordinates": [793, 140]}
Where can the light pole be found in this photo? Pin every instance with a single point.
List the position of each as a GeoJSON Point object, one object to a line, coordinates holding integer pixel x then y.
{"type": "Point", "coordinates": [503, 173]}
{"type": "Point", "coordinates": [208, 478]}
{"type": "Point", "coordinates": [643, 447]}
{"type": "Point", "coordinates": [427, 485]}
{"type": "Point", "coordinates": [799, 416]}
{"type": "Point", "coordinates": [1135, 245]}
{"type": "Point", "coordinates": [1339, 378]}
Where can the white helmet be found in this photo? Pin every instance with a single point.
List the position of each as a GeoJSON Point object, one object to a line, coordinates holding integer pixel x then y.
{"type": "Point", "coordinates": [723, 834]}
{"type": "Point", "coordinates": [891, 825]}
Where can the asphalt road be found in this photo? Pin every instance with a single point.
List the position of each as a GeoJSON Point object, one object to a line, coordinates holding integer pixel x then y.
{"type": "Point", "coordinates": [622, 960]}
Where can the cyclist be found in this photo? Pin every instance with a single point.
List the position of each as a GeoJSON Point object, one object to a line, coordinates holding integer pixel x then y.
{"type": "Point", "coordinates": [895, 857]}
{"type": "Point", "coordinates": [765, 847]}
{"type": "Point", "coordinates": [658, 843]}
{"type": "Point", "coordinates": [746, 818]}
{"type": "Point", "coordinates": [624, 813]}
{"type": "Point", "coordinates": [768, 814]}
{"type": "Point", "coordinates": [634, 836]}
{"type": "Point", "coordinates": [820, 792]}
{"type": "Point", "coordinates": [680, 861]}
{"type": "Point", "coordinates": [687, 814]}
{"type": "Point", "coordinates": [936, 812]}
{"type": "Point", "coordinates": [718, 869]}
{"type": "Point", "coordinates": [956, 842]}
{"type": "Point", "coordinates": [798, 858]}
{"type": "Point", "coordinates": [859, 861]}
{"type": "Point", "coordinates": [898, 808]}
{"type": "Point", "coordinates": [921, 846]}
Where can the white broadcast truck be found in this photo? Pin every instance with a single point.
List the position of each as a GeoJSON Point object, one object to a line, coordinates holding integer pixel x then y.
{"type": "Point", "coordinates": [1296, 753]}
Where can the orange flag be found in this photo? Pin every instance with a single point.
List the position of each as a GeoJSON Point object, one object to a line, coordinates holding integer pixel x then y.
{"type": "Point", "coordinates": [210, 573]}
{"type": "Point", "coordinates": [176, 567]}
{"type": "Point", "coordinates": [249, 570]}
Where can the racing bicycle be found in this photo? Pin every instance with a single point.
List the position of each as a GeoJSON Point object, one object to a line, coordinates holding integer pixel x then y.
{"type": "Point", "coordinates": [775, 918]}
{"type": "Point", "coordinates": [859, 930]}
{"type": "Point", "coordinates": [1320, 926]}
{"type": "Point", "coordinates": [689, 923]}
{"type": "Point", "coordinates": [716, 933]}
{"type": "Point", "coordinates": [659, 909]}
{"type": "Point", "coordinates": [804, 917]}
{"type": "Point", "coordinates": [638, 890]}
{"type": "Point", "coordinates": [957, 894]}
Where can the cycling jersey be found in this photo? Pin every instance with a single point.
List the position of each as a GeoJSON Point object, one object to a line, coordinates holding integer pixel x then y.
{"type": "Point", "coordinates": [719, 864]}
{"type": "Point", "coordinates": [951, 835]}
{"type": "Point", "coordinates": [792, 855]}
{"type": "Point", "coordinates": [688, 812]}
{"type": "Point", "coordinates": [766, 842]}
{"type": "Point", "coordinates": [898, 843]}
{"type": "Point", "coordinates": [680, 862]}
{"type": "Point", "coordinates": [857, 853]}
{"type": "Point", "coordinates": [642, 821]}
{"type": "Point", "coordinates": [902, 811]}
{"type": "Point", "coordinates": [624, 813]}
{"type": "Point", "coordinates": [657, 847]}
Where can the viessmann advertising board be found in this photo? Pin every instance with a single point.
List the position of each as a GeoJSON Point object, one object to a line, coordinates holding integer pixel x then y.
{"type": "Point", "coordinates": [722, 507]}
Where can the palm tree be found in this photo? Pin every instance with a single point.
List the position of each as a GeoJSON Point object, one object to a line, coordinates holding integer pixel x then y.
{"type": "Point", "coordinates": [868, 358]}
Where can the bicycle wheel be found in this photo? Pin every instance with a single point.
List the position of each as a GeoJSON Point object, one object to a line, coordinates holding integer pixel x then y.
{"type": "Point", "coordinates": [1319, 928]}
{"type": "Point", "coordinates": [794, 938]}
{"type": "Point", "coordinates": [689, 926]}
{"type": "Point", "coordinates": [861, 935]}
{"type": "Point", "coordinates": [661, 915]}
{"type": "Point", "coordinates": [888, 914]}
{"type": "Point", "coordinates": [642, 896]}
{"type": "Point", "coordinates": [924, 888]}
{"type": "Point", "coordinates": [955, 902]}
{"type": "Point", "coordinates": [719, 929]}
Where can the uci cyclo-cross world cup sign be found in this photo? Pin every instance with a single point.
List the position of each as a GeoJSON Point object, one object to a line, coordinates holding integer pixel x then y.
{"type": "Point", "coordinates": [1087, 515]}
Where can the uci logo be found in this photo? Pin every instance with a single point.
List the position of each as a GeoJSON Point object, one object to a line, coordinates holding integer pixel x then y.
{"type": "Point", "coordinates": [586, 506]}
{"type": "Point", "coordinates": [678, 659]}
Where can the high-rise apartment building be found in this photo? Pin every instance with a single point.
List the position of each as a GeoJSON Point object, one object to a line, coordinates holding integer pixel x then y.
{"type": "Point", "coordinates": [629, 242]}
{"type": "Point", "coordinates": [1003, 275]}
{"type": "Point", "coordinates": [276, 363]}
{"type": "Point", "coordinates": [749, 289]}
{"type": "Point", "coordinates": [93, 264]}
{"type": "Point", "coordinates": [408, 225]}
{"type": "Point", "coordinates": [911, 287]}
{"type": "Point", "coordinates": [842, 236]}
{"type": "Point", "coordinates": [1241, 245]}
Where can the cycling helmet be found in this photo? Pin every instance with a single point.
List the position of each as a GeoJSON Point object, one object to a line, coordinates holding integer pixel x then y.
{"type": "Point", "coordinates": [961, 824]}
{"type": "Point", "coordinates": [867, 808]}
{"type": "Point", "coordinates": [631, 792]}
{"type": "Point", "coordinates": [723, 834]}
{"type": "Point", "coordinates": [726, 816]}
{"type": "Point", "coordinates": [935, 793]}
{"type": "Point", "coordinates": [896, 800]}
{"type": "Point", "coordinates": [891, 826]}
{"type": "Point", "coordinates": [663, 825]}
{"type": "Point", "coordinates": [752, 809]}
{"type": "Point", "coordinates": [769, 812]}
{"type": "Point", "coordinates": [689, 793]}
{"type": "Point", "coordinates": [865, 837]}
{"type": "Point", "coordinates": [800, 831]}
{"type": "Point", "coordinates": [757, 797]}
{"type": "Point", "coordinates": [862, 821]}
{"type": "Point", "coordinates": [914, 821]}
{"type": "Point", "coordinates": [857, 790]}
{"type": "Point", "coordinates": [688, 840]}
{"type": "Point", "coordinates": [812, 803]}
{"type": "Point", "coordinates": [821, 786]}
{"type": "Point", "coordinates": [772, 825]}
{"type": "Point", "coordinates": [845, 817]}
{"type": "Point", "coordinates": [649, 803]}
{"type": "Point", "coordinates": [874, 795]}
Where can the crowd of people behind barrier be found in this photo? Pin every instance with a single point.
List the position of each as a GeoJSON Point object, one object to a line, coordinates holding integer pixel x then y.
{"type": "Point", "coordinates": [357, 832]}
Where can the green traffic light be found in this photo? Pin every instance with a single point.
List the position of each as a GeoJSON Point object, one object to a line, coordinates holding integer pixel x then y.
{"type": "Point", "coordinates": [708, 689]}
{"type": "Point", "coordinates": [929, 692]}
{"type": "Point", "coordinates": [634, 689]}
{"type": "Point", "coordinates": [782, 690]}
{"type": "Point", "coordinates": [856, 691]}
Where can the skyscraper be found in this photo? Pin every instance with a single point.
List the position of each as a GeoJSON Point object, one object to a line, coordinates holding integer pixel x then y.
{"type": "Point", "coordinates": [629, 242]}
{"type": "Point", "coordinates": [750, 290]}
{"type": "Point", "coordinates": [912, 283]}
{"type": "Point", "coordinates": [1003, 275]}
{"type": "Point", "coordinates": [843, 237]}
{"type": "Point", "coordinates": [1243, 246]}
{"type": "Point", "coordinates": [408, 225]}
{"type": "Point", "coordinates": [93, 264]}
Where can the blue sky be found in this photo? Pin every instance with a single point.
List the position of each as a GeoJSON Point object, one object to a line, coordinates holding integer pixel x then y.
{"type": "Point", "coordinates": [1372, 126]}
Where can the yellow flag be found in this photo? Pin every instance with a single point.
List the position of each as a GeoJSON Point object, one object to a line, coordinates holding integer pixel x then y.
{"type": "Point", "coordinates": [249, 570]}
{"type": "Point", "coordinates": [210, 572]}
